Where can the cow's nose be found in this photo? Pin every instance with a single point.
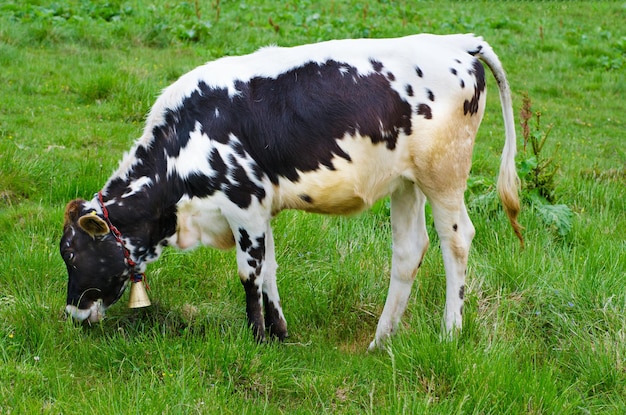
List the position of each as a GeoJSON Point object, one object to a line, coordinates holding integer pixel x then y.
{"type": "Point", "coordinates": [77, 313]}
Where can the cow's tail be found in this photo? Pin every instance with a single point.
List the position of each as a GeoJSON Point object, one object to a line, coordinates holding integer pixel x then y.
{"type": "Point", "coordinates": [508, 181]}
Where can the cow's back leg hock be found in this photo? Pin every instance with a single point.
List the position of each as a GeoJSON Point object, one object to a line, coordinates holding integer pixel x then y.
{"type": "Point", "coordinates": [274, 318]}
{"type": "Point", "coordinates": [456, 232]}
{"type": "Point", "coordinates": [250, 264]}
{"type": "Point", "coordinates": [410, 241]}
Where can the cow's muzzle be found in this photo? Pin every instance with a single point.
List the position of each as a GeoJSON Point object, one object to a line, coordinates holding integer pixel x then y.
{"type": "Point", "coordinates": [93, 314]}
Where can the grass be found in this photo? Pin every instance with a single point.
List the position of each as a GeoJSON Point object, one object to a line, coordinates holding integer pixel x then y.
{"type": "Point", "coordinates": [545, 328]}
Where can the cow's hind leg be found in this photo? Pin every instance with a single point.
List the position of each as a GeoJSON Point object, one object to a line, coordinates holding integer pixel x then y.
{"type": "Point", "coordinates": [410, 241]}
{"type": "Point", "coordinates": [274, 318]}
{"type": "Point", "coordinates": [456, 232]}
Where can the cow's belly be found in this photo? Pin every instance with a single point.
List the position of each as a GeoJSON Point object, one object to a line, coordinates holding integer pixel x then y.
{"type": "Point", "coordinates": [374, 171]}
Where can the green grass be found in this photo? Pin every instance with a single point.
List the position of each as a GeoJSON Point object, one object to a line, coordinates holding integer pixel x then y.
{"type": "Point", "coordinates": [544, 328]}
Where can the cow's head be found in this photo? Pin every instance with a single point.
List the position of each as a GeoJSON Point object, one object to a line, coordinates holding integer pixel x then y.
{"type": "Point", "coordinates": [96, 267]}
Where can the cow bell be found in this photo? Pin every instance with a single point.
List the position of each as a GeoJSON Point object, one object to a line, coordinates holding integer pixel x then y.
{"type": "Point", "coordinates": [138, 295]}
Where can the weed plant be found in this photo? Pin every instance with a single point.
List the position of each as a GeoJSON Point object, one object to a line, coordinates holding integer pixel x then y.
{"type": "Point", "coordinates": [544, 327]}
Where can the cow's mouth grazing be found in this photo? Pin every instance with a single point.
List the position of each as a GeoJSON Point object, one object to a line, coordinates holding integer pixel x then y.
{"type": "Point", "coordinates": [93, 314]}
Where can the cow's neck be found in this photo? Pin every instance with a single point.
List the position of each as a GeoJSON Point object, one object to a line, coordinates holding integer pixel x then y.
{"type": "Point", "coordinates": [146, 219]}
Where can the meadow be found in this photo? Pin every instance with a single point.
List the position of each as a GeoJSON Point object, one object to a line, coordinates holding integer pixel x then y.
{"type": "Point", "coordinates": [544, 327]}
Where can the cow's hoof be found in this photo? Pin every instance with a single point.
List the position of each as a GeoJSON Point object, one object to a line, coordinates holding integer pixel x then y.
{"type": "Point", "coordinates": [278, 330]}
{"type": "Point", "coordinates": [379, 343]}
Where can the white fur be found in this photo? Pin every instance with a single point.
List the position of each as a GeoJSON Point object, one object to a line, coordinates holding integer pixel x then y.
{"type": "Point", "coordinates": [137, 186]}
{"type": "Point", "coordinates": [92, 314]}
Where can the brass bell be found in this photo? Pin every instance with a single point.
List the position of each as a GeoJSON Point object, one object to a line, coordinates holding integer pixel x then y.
{"type": "Point", "coordinates": [138, 295]}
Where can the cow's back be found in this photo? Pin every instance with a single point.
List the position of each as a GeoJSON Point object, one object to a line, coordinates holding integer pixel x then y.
{"type": "Point", "coordinates": [331, 124]}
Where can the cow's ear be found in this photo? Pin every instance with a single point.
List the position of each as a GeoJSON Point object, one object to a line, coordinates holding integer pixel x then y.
{"type": "Point", "coordinates": [72, 211]}
{"type": "Point", "coordinates": [93, 224]}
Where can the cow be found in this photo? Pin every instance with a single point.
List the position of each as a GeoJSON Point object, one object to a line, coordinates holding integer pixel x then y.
{"type": "Point", "coordinates": [330, 128]}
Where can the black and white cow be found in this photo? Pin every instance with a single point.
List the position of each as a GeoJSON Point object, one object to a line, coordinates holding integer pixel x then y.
{"type": "Point", "coordinates": [329, 128]}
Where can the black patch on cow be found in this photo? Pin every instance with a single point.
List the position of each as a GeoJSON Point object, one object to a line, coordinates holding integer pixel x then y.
{"type": "Point", "coordinates": [376, 65]}
{"type": "Point", "coordinates": [478, 72]}
{"type": "Point", "coordinates": [391, 76]}
{"type": "Point", "coordinates": [199, 107]}
{"type": "Point", "coordinates": [462, 292]}
{"type": "Point", "coordinates": [457, 61]}
{"type": "Point", "coordinates": [419, 72]}
{"type": "Point", "coordinates": [254, 311]}
{"type": "Point", "coordinates": [218, 166]}
{"type": "Point", "coordinates": [244, 240]}
{"type": "Point", "coordinates": [239, 187]}
{"type": "Point", "coordinates": [409, 90]}
{"type": "Point", "coordinates": [238, 196]}
{"type": "Point", "coordinates": [430, 94]}
{"type": "Point", "coordinates": [238, 148]}
{"type": "Point", "coordinates": [291, 123]}
{"type": "Point", "coordinates": [306, 198]}
{"type": "Point", "coordinates": [425, 110]}
{"type": "Point", "coordinates": [462, 83]}
{"type": "Point", "coordinates": [273, 322]}
{"type": "Point", "coordinates": [455, 227]}
{"type": "Point", "coordinates": [199, 185]}
{"type": "Point", "coordinates": [258, 173]}
{"type": "Point", "coordinates": [453, 71]}
{"type": "Point", "coordinates": [475, 52]}
{"type": "Point", "coordinates": [257, 252]}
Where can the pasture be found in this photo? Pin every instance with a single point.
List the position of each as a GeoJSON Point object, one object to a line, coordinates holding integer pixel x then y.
{"type": "Point", "coordinates": [544, 327]}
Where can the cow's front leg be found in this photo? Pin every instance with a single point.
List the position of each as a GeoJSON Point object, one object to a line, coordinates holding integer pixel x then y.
{"type": "Point", "coordinates": [274, 318]}
{"type": "Point", "coordinates": [251, 264]}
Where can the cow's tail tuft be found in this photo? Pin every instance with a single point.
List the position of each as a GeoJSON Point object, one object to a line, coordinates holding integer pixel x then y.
{"type": "Point", "coordinates": [508, 181]}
